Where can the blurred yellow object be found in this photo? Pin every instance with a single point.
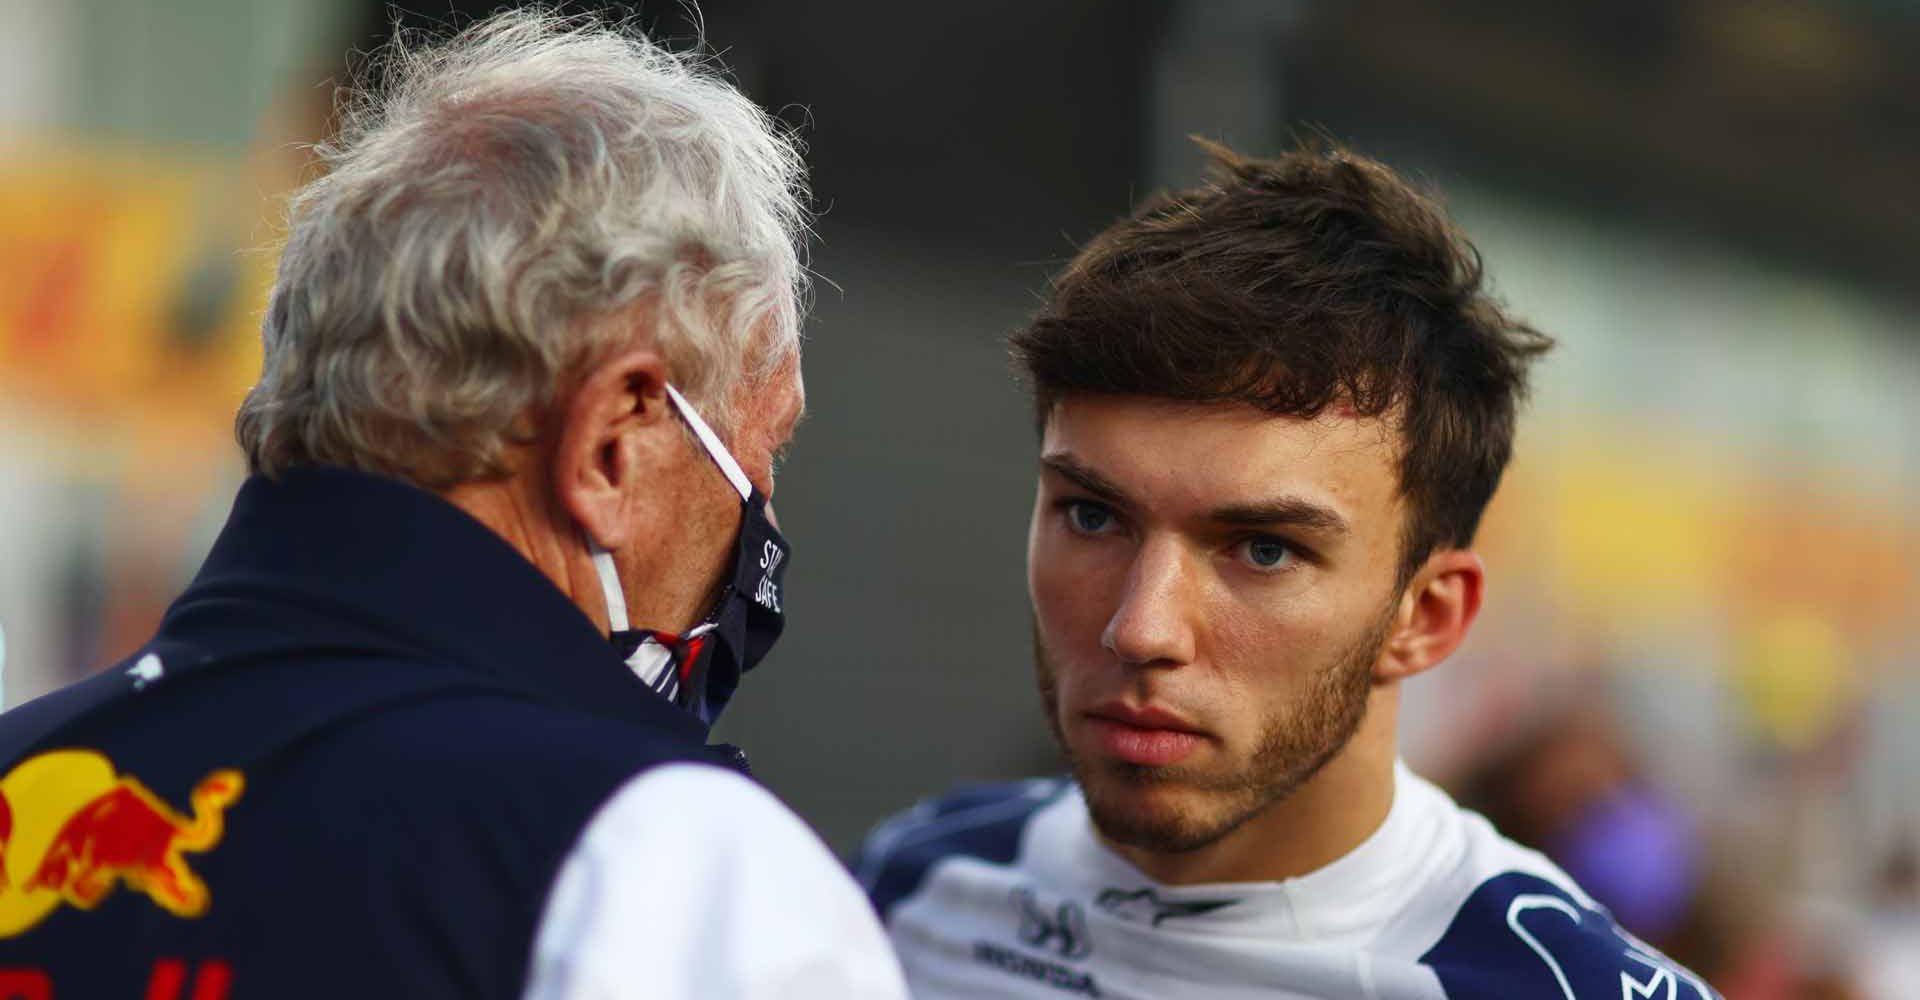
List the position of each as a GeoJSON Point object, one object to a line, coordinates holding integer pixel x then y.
{"type": "Point", "coordinates": [1796, 679]}
{"type": "Point", "coordinates": [107, 315]}
{"type": "Point", "coordinates": [1639, 532]}
{"type": "Point", "coordinates": [1640, 528]}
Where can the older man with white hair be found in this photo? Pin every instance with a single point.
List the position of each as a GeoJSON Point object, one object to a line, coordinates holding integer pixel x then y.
{"type": "Point", "coordinates": [431, 721]}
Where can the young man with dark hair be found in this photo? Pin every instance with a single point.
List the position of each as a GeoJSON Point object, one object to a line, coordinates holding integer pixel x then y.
{"type": "Point", "coordinates": [1271, 410]}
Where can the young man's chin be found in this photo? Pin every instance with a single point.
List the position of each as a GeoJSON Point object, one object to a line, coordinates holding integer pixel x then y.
{"type": "Point", "coordinates": [1155, 811]}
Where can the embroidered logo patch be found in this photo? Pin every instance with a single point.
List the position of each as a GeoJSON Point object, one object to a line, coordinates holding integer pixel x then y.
{"type": "Point", "coordinates": [71, 828]}
{"type": "Point", "coordinates": [1062, 931]}
{"type": "Point", "coordinates": [1146, 906]}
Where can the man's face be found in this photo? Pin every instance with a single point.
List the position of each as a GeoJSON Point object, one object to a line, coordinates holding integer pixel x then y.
{"type": "Point", "coordinates": [673, 585]}
{"type": "Point", "coordinates": [1211, 587]}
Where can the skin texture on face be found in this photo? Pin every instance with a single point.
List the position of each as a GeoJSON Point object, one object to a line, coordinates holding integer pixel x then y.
{"type": "Point", "coordinates": [675, 564]}
{"type": "Point", "coordinates": [1219, 628]}
{"type": "Point", "coordinates": [616, 462]}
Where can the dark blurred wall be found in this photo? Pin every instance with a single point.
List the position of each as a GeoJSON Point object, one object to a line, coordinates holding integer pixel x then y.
{"type": "Point", "coordinates": [959, 153]}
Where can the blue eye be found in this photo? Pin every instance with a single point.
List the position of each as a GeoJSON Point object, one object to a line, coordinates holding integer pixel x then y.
{"type": "Point", "coordinates": [1089, 518]}
{"type": "Point", "coordinates": [1268, 553]}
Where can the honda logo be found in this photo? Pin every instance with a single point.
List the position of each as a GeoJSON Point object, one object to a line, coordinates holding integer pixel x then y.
{"type": "Point", "coordinates": [1062, 931]}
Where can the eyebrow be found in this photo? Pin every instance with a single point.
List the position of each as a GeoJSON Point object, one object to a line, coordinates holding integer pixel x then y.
{"type": "Point", "coordinates": [1069, 468]}
{"type": "Point", "coordinates": [1281, 511]}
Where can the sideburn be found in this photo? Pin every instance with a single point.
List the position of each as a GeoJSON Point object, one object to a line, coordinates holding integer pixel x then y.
{"type": "Point", "coordinates": [1049, 691]}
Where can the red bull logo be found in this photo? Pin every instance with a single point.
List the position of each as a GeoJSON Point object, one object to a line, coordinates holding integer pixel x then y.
{"type": "Point", "coordinates": [72, 830]}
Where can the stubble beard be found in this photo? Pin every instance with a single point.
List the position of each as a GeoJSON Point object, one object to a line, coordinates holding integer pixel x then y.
{"type": "Point", "coordinates": [1294, 745]}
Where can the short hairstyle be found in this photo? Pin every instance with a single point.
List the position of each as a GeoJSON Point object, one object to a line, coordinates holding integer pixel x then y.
{"type": "Point", "coordinates": [514, 204]}
{"type": "Point", "coordinates": [1293, 284]}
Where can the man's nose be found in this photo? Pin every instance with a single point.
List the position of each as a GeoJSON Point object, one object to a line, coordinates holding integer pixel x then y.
{"type": "Point", "coordinates": [1152, 626]}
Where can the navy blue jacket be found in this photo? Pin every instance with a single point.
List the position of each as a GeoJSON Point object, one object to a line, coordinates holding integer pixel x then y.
{"type": "Point", "coordinates": [349, 765]}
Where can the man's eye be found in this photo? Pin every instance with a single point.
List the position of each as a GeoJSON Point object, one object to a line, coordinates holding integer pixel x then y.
{"type": "Point", "coordinates": [1089, 518]}
{"type": "Point", "coordinates": [1267, 553]}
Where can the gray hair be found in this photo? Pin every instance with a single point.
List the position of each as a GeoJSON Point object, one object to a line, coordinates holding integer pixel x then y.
{"type": "Point", "coordinates": [515, 205]}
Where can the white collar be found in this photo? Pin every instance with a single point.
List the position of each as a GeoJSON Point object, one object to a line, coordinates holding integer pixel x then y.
{"type": "Point", "coordinates": [1346, 901]}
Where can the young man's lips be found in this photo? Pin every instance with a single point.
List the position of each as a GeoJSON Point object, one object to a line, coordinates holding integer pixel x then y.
{"type": "Point", "coordinates": [1151, 737]}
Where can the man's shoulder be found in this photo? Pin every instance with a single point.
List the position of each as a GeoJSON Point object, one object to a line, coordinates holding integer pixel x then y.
{"type": "Point", "coordinates": [983, 821]}
{"type": "Point", "coordinates": [710, 821]}
{"type": "Point", "coordinates": [538, 735]}
{"type": "Point", "coordinates": [1493, 918]}
{"type": "Point", "coordinates": [399, 731]}
{"type": "Point", "coordinates": [480, 748]}
{"type": "Point", "coordinates": [479, 774]}
{"type": "Point", "coordinates": [445, 817]}
{"type": "Point", "coordinates": [1503, 920]}
{"type": "Point", "coordinates": [1521, 934]}
{"type": "Point", "coordinates": [730, 891]}
{"type": "Point", "coordinates": [690, 824]}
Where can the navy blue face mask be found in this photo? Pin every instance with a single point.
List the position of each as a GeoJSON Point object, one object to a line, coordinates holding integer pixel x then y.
{"type": "Point", "coordinates": [699, 669]}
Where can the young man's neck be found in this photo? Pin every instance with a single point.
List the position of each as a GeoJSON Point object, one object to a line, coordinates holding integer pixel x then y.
{"type": "Point", "coordinates": [1319, 823]}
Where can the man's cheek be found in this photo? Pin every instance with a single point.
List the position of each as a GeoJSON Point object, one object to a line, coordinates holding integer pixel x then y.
{"type": "Point", "coordinates": [1070, 611]}
{"type": "Point", "coordinates": [1061, 625]}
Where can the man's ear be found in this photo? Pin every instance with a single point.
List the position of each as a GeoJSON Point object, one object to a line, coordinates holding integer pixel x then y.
{"type": "Point", "coordinates": [1435, 611]}
{"type": "Point", "coordinates": [615, 431]}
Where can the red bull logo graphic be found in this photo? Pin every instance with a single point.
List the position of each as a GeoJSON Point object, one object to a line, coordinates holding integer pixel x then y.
{"type": "Point", "coordinates": [71, 830]}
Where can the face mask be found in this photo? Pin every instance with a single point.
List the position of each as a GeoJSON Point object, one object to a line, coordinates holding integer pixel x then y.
{"type": "Point", "coordinates": [700, 668]}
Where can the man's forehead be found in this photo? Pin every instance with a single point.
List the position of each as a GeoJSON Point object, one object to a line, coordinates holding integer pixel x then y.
{"type": "Point", "coordinates": [1205, 453]}
{"type": "Point", "coordinates": [1084, 412]}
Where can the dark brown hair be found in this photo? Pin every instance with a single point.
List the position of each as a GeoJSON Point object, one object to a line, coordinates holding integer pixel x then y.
{"type": "Point", "coordinates": [1293, 284]}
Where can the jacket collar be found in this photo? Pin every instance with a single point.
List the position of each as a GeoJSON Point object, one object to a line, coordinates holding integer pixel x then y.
{"type": "Point", "coordinates": [389, 565]}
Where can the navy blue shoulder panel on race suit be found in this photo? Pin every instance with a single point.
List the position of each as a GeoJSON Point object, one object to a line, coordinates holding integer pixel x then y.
{"type": "Point", "coordinates": [1519, 935]}
{"type": "Point", "coordinates": [979, 821]}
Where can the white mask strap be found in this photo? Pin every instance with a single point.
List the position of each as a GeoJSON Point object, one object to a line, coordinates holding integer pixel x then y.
{"type": "Point", "coordinates": [721, 457]}
{"type": "Point", "coordinates": [609, 587]}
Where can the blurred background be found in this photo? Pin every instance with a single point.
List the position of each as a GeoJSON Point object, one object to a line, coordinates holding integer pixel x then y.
{"type": "Point", "coordinates": [1696, 683]}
